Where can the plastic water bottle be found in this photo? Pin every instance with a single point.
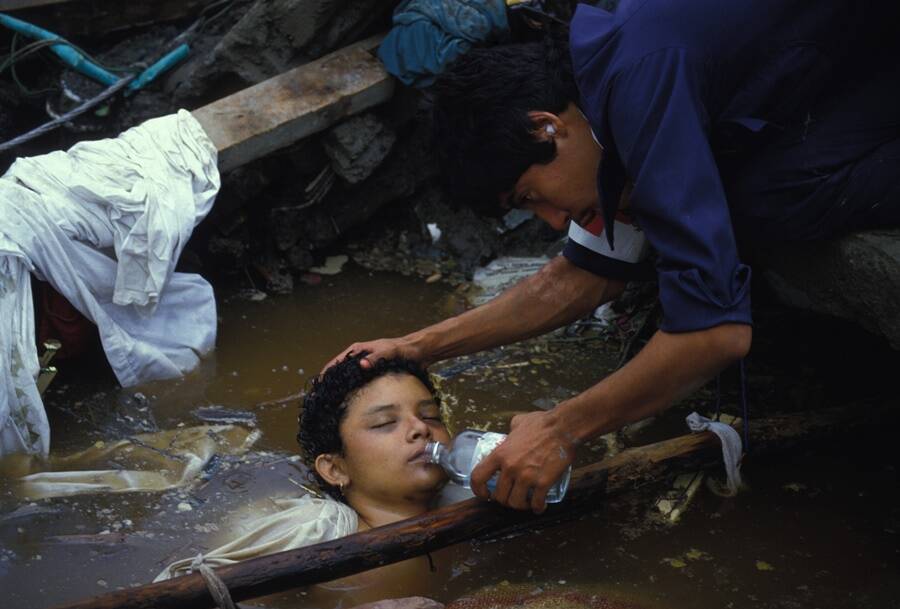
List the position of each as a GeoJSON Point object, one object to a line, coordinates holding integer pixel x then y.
{"type": "Point", "coordinates": [468, 449]}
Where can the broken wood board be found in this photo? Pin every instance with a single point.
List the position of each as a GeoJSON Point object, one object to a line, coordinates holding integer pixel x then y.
{"type": "Point", "coordinates": [70, 18]}
{"type": "Point", "coordinates": [291, 106]}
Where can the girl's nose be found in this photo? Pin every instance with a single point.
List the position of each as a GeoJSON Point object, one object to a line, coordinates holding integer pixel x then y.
{"type": "Point", "coordinates": [418, 429]}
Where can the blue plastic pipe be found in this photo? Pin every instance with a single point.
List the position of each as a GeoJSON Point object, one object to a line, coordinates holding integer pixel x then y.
{"type": "Point", "coordinates": [168, 60]}
{"type": "Point", "coordinates": [79, 62]}
{"type": "Point", "coordinates": [65, 52]}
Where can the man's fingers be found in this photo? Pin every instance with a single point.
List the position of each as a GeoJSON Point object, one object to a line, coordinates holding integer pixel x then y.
{"type": "Point", "coordinates": [480, 476]}
{"type": "Point", "coordinates": [539, 499]}
{"type": "Point", "coordinates": [518, 497]}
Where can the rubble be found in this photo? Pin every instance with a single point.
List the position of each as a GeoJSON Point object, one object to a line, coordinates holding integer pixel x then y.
{"type": "Point", "coordinates": [357, 146]}
{"type": "Point", "coordinates": [856, 278]}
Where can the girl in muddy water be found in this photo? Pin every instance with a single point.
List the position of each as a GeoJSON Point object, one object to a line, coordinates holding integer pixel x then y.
{"type": "Point", "coordinates": [363, 433]}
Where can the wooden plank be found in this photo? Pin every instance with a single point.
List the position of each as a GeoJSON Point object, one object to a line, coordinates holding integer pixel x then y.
{"type": "Point", "coordinates": [294, 105]}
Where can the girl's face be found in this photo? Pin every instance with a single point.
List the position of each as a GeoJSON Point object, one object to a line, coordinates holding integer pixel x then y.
{"type": "Point", "coordinates": [384, 433]}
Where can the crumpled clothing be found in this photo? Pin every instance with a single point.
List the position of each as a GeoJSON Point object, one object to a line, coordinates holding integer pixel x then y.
{"type": "Point", "coordinates": [104, 224]}
{"type": "Point", "coordinates": [299, 522]}
{"type": "Point", "coordinates": [141, 193]}
{"type": "Point", "coordinates": [296, 523]}
{"type": "Point", "coordinates": [146, 462]}
{"type": "Point", "coordinates": [732, 447]}
{"type": "Point", "coordinates": [428, 35]}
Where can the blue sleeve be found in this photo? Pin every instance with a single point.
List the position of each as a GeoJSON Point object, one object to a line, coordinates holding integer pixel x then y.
{"type": "Point", "coordinates": [660, 129]}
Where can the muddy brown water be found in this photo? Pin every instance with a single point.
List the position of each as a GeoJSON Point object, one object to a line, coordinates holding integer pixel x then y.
{"type": "Point", "coordinates": [817, 529]}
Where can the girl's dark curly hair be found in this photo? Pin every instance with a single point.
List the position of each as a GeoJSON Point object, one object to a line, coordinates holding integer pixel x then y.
{"type": "Point", "coordinates": [325, 405]}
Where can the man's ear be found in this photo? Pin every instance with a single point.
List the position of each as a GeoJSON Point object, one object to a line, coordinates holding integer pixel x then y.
{"type": "Point", "coordinates": [547, 126]}
{"type": "Point", "coordinates": [332, 469]}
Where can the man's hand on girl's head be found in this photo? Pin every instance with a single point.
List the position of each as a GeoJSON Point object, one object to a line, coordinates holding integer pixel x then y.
{"type": "Point", "coordinates": [374, 350]}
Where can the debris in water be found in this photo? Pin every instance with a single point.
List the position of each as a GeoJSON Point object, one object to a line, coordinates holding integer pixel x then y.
{"type": "Point", "coordinates": [333, 265]}
{"type": "Point", "coordinates": [761, 565]}
{"type": "Point", "coordinates": [184, 506]}
{"type": "Point", "coordinates": [676, 563]}
{"type": "Point", "coordinates": [252, 295]}
{"type": "Point", "coordinates": [695, 554]}
{"type": "Point", "coordinates": [225, 416]}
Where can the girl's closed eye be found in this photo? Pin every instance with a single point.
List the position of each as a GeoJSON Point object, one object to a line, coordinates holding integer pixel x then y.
{"type": "Point", "coordinates": [382, 424]}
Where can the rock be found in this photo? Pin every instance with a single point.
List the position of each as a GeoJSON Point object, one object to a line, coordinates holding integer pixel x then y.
{"type": "Point", "coordinates": [357, 146]}
{"type": "Point", "coordinates": [268, 37]}
{"type": "Point", "coordinates": [278, 281]}
{"type": "Point", "coordinates": [286, 226]}
{"type": "Point", "coordinates": [856, 277]}
{"type": "Point", "coordinates": [463, 235]}
{"type": "Point", "coordinates": [300, 258]}
{"type": "Point", "coordinates": [411, 602]}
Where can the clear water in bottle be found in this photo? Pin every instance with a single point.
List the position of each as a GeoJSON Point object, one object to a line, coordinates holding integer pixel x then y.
{"type": "Point", "coordinates": [468, 449]}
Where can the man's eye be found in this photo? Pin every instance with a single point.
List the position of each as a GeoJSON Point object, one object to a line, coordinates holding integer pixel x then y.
{"type": "Point", "coordinates": [382, 424]}
{"type": "Point", "coordinates": [434, 418]}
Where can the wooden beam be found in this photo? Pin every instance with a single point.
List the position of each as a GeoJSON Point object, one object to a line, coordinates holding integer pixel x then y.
{"type": "Point", "coordinates": [294, 105]}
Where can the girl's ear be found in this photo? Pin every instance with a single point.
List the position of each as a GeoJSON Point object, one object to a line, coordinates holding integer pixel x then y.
{"type": "Point", "coordinates": [332, 469]}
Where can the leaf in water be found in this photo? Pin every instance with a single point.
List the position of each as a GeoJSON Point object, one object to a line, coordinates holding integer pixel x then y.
{"type": "Point", "coordinates": [764, 566]}
{"type": "Point", "coordinates": [695, 554]}
{"type": "Point", "coordinates": [676, 563]}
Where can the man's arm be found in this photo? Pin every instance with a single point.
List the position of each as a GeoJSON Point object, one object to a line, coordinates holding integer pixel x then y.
{"type": "Point", "coordinates": [558, 294]}
{"type": "Point", "coordinates": [542, 445]}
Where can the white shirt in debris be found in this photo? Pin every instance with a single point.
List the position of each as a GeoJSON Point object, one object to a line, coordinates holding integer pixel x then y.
{"type": "Point", "coordinates": [299, 522]}
{"type": "Point", "coordinates": [104, 223]}
{"type": "Point", "coordinates": [295, 523]}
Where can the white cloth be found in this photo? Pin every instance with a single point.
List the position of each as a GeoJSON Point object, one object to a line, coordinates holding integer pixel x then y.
{"type": "Point", "coordinates": [299, 522]}
{"type": "Point", "coordinates": [147, 462]}
{"type": "Point", "coordinates": [104, 224]}
{"type": "Point", "coordinates": [732, 447]}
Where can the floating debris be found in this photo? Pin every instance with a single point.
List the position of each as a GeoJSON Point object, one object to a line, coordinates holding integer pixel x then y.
{"type": "Point", "coordinates": [333, 265]}
{"type": "Point", "coordinates": [225, 416]}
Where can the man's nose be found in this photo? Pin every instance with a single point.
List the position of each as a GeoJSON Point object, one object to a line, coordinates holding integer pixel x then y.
{"type": "Point", "coordinates": [556, 218]}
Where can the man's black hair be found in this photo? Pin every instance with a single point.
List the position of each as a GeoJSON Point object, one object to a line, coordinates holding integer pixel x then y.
{"type": "Point", "coordinates": [483, 136]}
{"type": "Point", "coordinates": [325, 405]}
